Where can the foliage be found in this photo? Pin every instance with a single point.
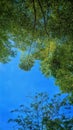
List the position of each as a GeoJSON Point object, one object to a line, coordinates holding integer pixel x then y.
{"type": "Point", "coordinates": [6, 52]}
{"type": "Point", "coordinates": [26, 63]}
{"type": "Point", "coordinates": [60, 65]}
{"type": "Point", "coordinates": [44, 114]}
{"type": "Point", "coordinates": [41, 30]}
{"type": "Point", "coordinates": [36, 18]}
{"type": "Point", "coordinates": [30, 20]}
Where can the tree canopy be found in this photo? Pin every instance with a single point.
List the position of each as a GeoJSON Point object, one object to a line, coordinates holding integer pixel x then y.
{"type": "Point", "coordinates": [41, 30]}
{"type": "Point", "coordinates": [44, 114]}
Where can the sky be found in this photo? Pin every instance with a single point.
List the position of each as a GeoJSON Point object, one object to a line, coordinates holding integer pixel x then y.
{"type": "Point", "coordinates": [16, 85]}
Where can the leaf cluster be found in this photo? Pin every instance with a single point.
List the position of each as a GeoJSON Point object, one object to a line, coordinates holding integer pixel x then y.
{"type": "Point", "coordinates": [44, 113]}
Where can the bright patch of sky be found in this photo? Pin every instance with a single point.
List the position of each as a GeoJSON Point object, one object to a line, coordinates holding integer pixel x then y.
{"type": "Point", "coordinates": [16, 85]}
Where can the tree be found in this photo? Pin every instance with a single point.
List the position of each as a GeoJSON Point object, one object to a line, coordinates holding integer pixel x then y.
{"type": "Point", "coordinates": [60, 65]}
{"type": "Point", "coordinates": [37, 18]}
{"type": "Point", "coordinates": [41, 30]}
{"type": "Point", "coordinates": [28, 21]}
{"type": "Point", "coordinates": [6, 51]}
{"type": "Point", "coordinates": [44, 114]}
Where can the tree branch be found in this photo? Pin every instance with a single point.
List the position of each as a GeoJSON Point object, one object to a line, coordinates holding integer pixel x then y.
{"type": "Point", "coordinates": [43, 16]}
{"type": "Point", "coordinates": [34, 13]}
{"type": "Point", "coordinates": [48, 4]}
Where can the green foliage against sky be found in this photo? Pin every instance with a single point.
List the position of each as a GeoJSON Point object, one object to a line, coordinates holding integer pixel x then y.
{"type": "Point", "coordinates": [44, 114]}
{"type": "Point", "coordinates": [41, 30]}
{"type": "Point", "coordinates": [36, 20]}
{"type": "Point", "coordinates": [60, 66]}
{"type": "Point", "coordinates": [6, 51]}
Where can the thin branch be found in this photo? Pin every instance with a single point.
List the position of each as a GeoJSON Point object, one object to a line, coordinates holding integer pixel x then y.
{"type": "Point", "coordinates": [48, 4]}
{"type": "Point", "coordinates": [34, 13]}
{"type": "Point", "coordinates": [43, 16]}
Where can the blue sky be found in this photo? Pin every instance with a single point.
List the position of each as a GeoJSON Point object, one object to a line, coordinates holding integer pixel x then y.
{"type": "Point", "coordinates": [16, 85]}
